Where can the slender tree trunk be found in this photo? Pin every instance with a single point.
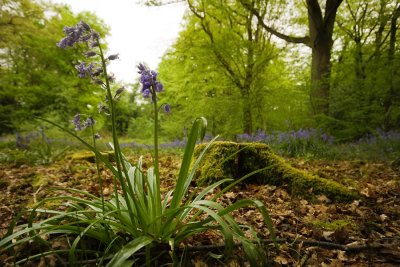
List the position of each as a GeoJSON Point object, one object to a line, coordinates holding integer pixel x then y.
{"type": "Point", "coordinates": [247, 114]}
{"type": "Point", "coordinates": [393, 94]}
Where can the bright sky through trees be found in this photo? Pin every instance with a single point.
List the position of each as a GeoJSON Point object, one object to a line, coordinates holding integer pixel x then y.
{"type": "Point", "coordinates": [138, 33]}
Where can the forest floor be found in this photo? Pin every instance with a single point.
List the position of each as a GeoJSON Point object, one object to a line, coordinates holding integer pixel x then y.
{"type": "Point", "coordinates": [318, 233]}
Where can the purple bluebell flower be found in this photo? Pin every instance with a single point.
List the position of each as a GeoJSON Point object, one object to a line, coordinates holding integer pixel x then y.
{"type": "Point", "coordinates": [77, 122]}
{"type": "Point", "coordinates": [81, 69]}
{"type": "Point", "coordinates": [76, 34]}
{"type": "Point", "coordinates": [89, 122]}
{"type": "Point", "coordinates": [167, 108]}
{"type": "Point", "coordinates": [159, 87]}
{"type": "Point", "coordinates": [148, 79]}
{"type": "Point", "coordinates": [84, 25]}
{"type": "Point", "coordinates": [84, 70]}
{"type": "Point", "coordinates": [146, 93]}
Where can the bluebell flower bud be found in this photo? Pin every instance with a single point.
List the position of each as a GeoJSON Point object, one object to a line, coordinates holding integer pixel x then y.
{"type": "Point", "coordinates": [111, 78]}
{"type": "Point", "coordinates": [84, 25]}
{"type": "Point", "coordinates": [101, 107]}
{"type": "Point", "coordinates": [97, 72]}
{"type": "Point", "coordinates": [167, 108]}
{"type": "Point", "coordinates": [159, 87]}
{"type": "Point", "coordinates": [90, 54]}
{"type": "Point", "coordinates": [94, 44]}
{"type": "Point", "coordinates": [81, 69]}
{"type": "Point", "coordinates": [146, 93]}
{"type": "Point", "coordinates": [113, 57]}
{"type": "Point", "coordinates": [119, 92]}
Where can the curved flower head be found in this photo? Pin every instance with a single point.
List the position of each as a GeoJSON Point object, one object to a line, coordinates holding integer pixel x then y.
{"type": "Point", "coordinates": [81, 32]}
{"type": "Point", "coordinates": [148, 79]}
{"type": "Point", "coordinates": [77, 122]}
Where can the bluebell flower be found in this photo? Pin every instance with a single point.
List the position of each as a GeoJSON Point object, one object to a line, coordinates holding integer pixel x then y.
{"type": "Point", "coordinates": [167, 108]}
{"type": "Point", "coordinates": [146, 93]}
{"type": "Point", "coordinates": [77, 122]}
{"type": "Point", "coordinates": [89, 122]}
{"type": "Point", "coordinates": [148, 79]}
{"type": "Point", "coordinates": [159, 87]}
{"type": "Point", "coordinates": [77, 34]}
{"type": "Point", "coordinates": [85, 70]}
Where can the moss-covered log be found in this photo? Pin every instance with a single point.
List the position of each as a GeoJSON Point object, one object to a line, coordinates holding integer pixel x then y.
{"type": "Point", "coordinates": [234, 160]}
{"type": "Point", "coordinates": [90, 156]}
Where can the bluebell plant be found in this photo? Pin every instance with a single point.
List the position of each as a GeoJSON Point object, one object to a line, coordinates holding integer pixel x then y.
{"type": "Point", "coordinates": [137, 215]}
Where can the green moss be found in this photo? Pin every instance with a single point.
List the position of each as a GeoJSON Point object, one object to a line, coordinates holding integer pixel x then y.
{"type": "Point", "coordinates": [234, 160]}
{"type": "Point", "coordinates": [90, 156]}
{"type": "Point", "coordinates": [40, 180]}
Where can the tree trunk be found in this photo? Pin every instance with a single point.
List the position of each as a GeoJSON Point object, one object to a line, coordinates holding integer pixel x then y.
{"type": "Point", "coordinates": [320, 76]}
{"type": "Point", "coordinates": [320, 41]}
{"type": "Point", "coordinates": [247, 114]}
{"type": "Point", "coordinates": [393, 94]}
{"type": "Point", "coordinates": [321, 31]}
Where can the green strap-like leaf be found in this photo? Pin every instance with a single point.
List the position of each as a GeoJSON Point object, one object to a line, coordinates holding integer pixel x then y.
{"type": "Point", "coordinates": [121, 257]}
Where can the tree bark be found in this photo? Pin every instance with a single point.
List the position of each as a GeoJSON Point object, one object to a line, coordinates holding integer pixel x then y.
{"type": "Point", "coordinates": [393, 95]}
{"type": "Point", "coordinates": [320, 41]}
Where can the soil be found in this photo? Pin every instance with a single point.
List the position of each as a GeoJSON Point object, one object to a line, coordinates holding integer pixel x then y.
{"type": "Point", "coordinates": [364, 232]}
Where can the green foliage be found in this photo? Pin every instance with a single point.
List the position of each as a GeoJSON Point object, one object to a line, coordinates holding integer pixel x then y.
{"type": "Point", "coordinates": [212, 78]}
{"type": "Point", "coordinates": [35, 76]}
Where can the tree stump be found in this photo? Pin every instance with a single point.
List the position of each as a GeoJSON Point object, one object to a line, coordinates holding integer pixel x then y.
{"type": "Point", "coordinates": [235, 160]}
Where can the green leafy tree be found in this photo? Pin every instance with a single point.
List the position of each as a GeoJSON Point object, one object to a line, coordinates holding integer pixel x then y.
{"type": "Point", "coordinates": [35, 77]}
{"type": "Point", "coordinates": [365, 77]}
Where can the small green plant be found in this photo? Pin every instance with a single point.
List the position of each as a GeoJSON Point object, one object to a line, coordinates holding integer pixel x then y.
{"type": "Point", "coordinates": [137, 218]}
